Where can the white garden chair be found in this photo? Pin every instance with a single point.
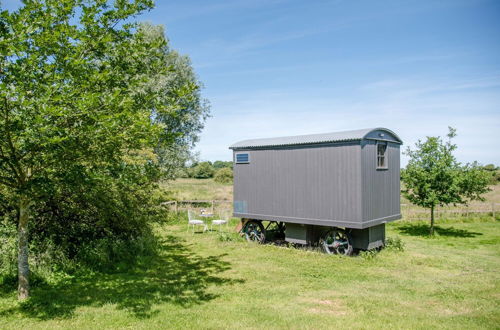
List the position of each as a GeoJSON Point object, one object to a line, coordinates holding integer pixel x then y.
{"type": "Point", "coordinates": [193, 221]}
{"type": "Point", "coordinates": [223, 220]}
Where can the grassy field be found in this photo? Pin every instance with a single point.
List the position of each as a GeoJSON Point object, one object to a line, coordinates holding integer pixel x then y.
{"type": "Point", "coordinates": [207, 189]}
{"type": "Point", "coordinates": [494, 195]}
{"type": "Point", "coordinates": [199, 189]}
{"type": "Point", "coordinates": [213, 281]}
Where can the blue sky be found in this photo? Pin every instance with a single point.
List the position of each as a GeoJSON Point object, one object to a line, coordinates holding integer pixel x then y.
{"type": "Point", "coordinates": [287, 67]}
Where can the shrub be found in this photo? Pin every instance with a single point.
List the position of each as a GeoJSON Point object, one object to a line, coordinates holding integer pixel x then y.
{"type": "Point", "coordinates": [47, 260]}
{"type": "Point", "coordinates": [369, 254]}
{"type": "Point", "coordinates": [218, 164]}
{"type": "Point", "coordinates": [8, 251]}
{"type": "Point", "coordinates": [224, 175]}
{"type": "Point", "coordinates": [100, 223]}
{"type": "Point", "coordinates": [108, 254]}
{"type": "Point", "coordinates": [203, 170]}
{"type": "Point", "coordinates": [494, 173]}
{"type": "Point", "coordinates": [230, 237]}
{"type": "Point", "coordinates": [395, 244]}
{"type": "Point", "coordinates": [183, 173]}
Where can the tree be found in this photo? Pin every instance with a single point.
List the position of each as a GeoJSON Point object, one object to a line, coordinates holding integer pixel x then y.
{"type": "Point", "coordinates": [494, 173]}
{"type": "Point", "coordinates": [80, 98]}
{"type": "Point", "coordinates": [203, 170]}
{"type": "Point", "coordinates": [490, 167]}
{"type": "Point", "coordinates": [222, 164]}
{"type": "Point", "coordinates": [184, 111]}
{"type": "Point", "coordinates": [434, 177]}
{"type": "Point", "coordinates": [224, 175]}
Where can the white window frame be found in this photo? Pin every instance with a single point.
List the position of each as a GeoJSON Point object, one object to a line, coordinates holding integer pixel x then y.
{"type": "Point", "coordinates": [240, 153]}
{"type": "Point", "coordinates": [385, 157]}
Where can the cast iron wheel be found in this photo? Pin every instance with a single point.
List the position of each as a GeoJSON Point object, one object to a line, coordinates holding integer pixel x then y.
{"type": "Point", "coordinates": [337, 241]}
{"type": "Point", "coordinates": [254, 231]}
{"type": "Point", "coordinates": [275, 231]}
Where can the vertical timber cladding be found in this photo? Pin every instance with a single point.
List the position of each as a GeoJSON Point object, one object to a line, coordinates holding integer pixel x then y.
{"type": "Point", "coordinates": [315, 184]}
{"type": "Point", "coordinates": [381, 187]}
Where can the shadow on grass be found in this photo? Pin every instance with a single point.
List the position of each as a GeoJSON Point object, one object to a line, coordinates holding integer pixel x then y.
{"type": "Point", "coordinates": [175, 275]}
{"type": "Point", "coordinates": [423, 230]}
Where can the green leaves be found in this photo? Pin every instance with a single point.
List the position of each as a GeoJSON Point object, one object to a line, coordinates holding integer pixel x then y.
{"type": "Point", "coordinates": [67, 82]}
{"type": "Point", "coordinates": [434, 177]}
{"type": "Point", "coordinates": [83, 87]}
{"type": "Point", "coordinates": [94, 110]}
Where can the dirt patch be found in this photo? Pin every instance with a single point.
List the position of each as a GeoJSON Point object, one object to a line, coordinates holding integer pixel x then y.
{"type": "Point", "coordinates": [454, 312]}
{"type": "Point", "coordinates": [331, 307]}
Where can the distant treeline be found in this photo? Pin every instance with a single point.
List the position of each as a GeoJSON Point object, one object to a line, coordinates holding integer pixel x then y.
{"type": "Point", "coordinates": [494, 172]}
{"type": "Point", "coordinates": [221, 171]}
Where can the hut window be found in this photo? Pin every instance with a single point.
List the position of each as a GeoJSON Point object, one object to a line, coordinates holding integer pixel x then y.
{"type": "Point", "coordinates": [242, 158]}
{"type": "Point", "coordinates": [382, 155]}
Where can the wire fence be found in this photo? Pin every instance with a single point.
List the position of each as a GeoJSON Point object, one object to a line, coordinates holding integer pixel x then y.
{"type": "Point", "coordinates": [412, 212]}
{"type": "Point", "coordinates": [408, 211]}
{"type": "Point", "coordinates": [213, 205]}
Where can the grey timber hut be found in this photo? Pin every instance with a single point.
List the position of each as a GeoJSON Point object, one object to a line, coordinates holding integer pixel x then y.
{"type": "Point", "coordinates": [336, 189]}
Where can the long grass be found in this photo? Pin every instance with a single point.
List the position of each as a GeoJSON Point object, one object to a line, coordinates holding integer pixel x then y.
{"type": "Point", "coordinates": [199, 189]}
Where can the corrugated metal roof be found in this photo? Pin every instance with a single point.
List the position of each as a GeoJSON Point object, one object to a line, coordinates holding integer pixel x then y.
{"type": "Point", "coordinates": [310, 139]}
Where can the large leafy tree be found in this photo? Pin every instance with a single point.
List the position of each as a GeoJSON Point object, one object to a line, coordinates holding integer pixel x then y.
{"type": "Point", "coordinates": [183, 110]}
{"type": "Point", "coordinates": [434, 177]}
{"type": "Point", "coordinates": [79, 97]}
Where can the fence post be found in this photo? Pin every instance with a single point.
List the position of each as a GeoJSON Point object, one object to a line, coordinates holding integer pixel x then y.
{"type": "Point", "coordinates": [493, 209]}
{"type": "Point", "coordinates": [176, 207]}
{"type": "Point", "coordinates": [212, 207]}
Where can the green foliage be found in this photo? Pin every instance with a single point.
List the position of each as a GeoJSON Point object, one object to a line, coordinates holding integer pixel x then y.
{"type": "Point", "coordinates": [103, 208]}
{"type": "Point", "coordinates": [490, 167]}
{"type": "Point", "coordinates": [394, 243]}
{"type": "Point", "coordinates": [94, 110]}
{"type": "Point", "coordinates": [434, 177]}
{"type": "Point", "coordinates": [369, 254]}
{"type": "Point", "coordinates": [110, 255]}
{"type": "Point", "coordinates": [224, 175]}
{"type": "Point", "coordinates": [8, 244]}
{"type": "Point", "coordinates": [494, 173]}
{"type": "Point", "coordinates": [230, 237]}
{"type": "Point", "coordinates": [203, 170]}
{"type": "Point", "coordinates": [218, 164]}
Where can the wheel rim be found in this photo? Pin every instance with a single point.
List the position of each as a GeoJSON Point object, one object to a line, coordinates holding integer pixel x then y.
{"type": "Point", "coordinates": [254, 232]}
{"type": "Point", "coordinates": [336, 242]}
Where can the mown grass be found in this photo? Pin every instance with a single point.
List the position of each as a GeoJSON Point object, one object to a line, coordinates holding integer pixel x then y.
{"type": "Point", "coordinates": [212, 281]}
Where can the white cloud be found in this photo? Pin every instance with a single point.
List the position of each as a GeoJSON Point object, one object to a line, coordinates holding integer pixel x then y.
{"type": "Point", "coordinates": [414, 111]}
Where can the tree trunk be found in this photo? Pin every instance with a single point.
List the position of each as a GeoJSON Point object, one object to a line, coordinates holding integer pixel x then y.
{"type": "Point", "coordinates": [22, 259]}
{"type": "Point", "coordinates": [432, 221]}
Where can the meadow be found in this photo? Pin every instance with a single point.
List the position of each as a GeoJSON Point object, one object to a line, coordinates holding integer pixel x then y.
{"type": "Point", "coordinates": [216, 280]}
{"type": "Point", "coordinates": [199, 189]}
